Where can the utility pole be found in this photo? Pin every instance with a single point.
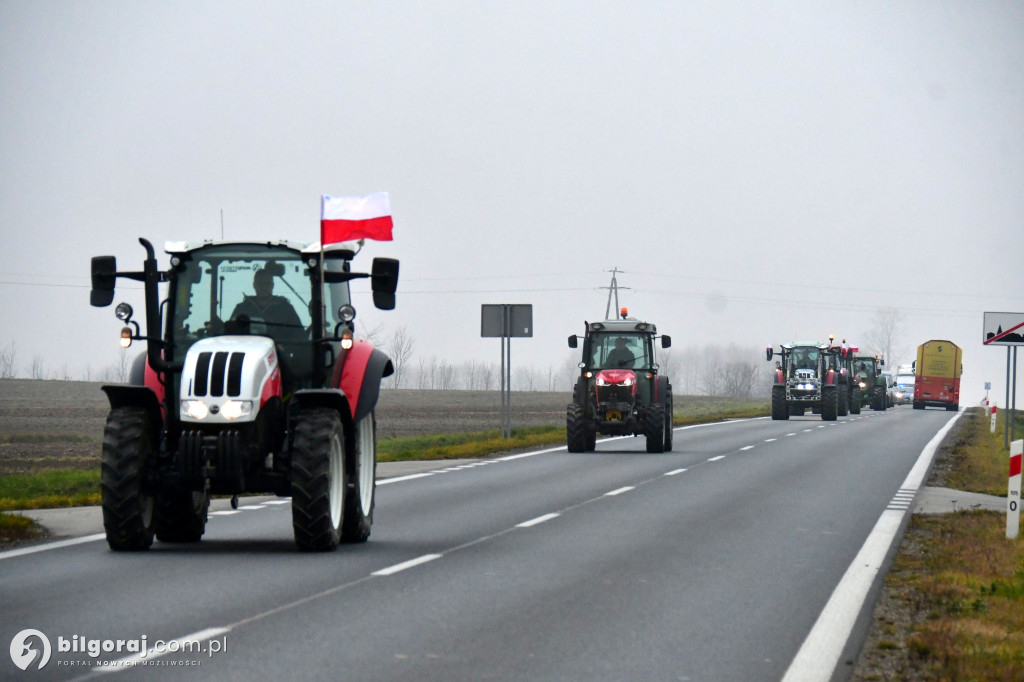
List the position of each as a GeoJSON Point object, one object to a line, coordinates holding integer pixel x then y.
{"type": "Point", "coordinates": [613, 288]}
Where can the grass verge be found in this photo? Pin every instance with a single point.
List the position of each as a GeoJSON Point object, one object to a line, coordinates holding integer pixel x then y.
{"type": "Point", "coordinates": [952, 606]}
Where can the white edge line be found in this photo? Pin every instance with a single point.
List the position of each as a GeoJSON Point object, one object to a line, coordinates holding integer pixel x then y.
{"type": "Point", "coordinates": [391, 570]}
{"type": "Point", "coordinates": [11, 553]}
{"type": "Point", "coordinates": [538, 520]}
{"type": "Point", "coordinates": [821, 651]}
{"type": "Point", "coordinates": [399, 479]}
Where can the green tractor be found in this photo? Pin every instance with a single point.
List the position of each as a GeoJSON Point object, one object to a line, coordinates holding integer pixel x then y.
{"type": "Point", "coordinates": [619, 391]}
{"type": "Point", "coordinates": [869, 387]}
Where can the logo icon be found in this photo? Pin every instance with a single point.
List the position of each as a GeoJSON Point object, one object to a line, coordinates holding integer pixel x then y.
{"type": "Point", "coordinates": [24, 655]}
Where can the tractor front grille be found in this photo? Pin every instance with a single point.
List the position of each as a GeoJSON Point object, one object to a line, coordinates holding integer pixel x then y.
{"type": "Point", "coordinates": [218, 374]}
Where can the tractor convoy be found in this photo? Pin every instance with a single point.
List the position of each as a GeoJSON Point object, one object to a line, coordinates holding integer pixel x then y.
{"type": "Point", "coordinates": [252, 381]}
{"type": "Point", "coordinates": [241, 392]}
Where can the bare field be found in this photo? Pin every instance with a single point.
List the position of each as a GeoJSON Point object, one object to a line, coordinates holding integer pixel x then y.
{"type": "Point", "coordinates": [46, 424]}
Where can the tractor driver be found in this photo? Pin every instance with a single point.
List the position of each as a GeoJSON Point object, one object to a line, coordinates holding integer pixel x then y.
{"type": "Point", "coordinates": [620, 356]}
{"type": "Point", "coordinates": [275, 312]}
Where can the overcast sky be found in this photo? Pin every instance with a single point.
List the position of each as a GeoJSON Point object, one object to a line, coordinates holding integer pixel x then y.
{"type": "Point", "coordinates": [761, 171]}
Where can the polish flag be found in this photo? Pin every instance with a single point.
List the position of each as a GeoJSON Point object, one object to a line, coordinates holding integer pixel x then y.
{"type": "Point", "coordinates": [344, 219]}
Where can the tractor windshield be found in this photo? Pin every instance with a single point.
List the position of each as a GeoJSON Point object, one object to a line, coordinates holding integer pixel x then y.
{"type": "Point", "coordinates": [241, 289]}
{"type": "Point", "coordinates": [804, 358]}
{"type": "Point", "coordinates": [621, 351]}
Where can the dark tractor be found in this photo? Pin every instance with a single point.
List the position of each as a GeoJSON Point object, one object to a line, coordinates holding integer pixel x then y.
{"type": "Point", "coordinates": [619, 391]}
{"type": "Point", "coordinates": [239, 392]}
{"type": "Point", "coordinates": [840, 360]}
{"type": "Point", "coordinates": [806, 376]}
{"type": "Point", "coordinates": [870, 387]}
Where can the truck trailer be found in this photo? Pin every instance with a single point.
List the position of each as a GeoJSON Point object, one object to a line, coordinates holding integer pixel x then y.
{"type": "Point", "coordinates": [937, 373]}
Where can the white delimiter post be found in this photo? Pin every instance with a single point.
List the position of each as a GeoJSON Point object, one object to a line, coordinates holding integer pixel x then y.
{"type": "Point", "coordinates": [992, 426]}
{"type": "Point", "coordinates": [1013, 497]}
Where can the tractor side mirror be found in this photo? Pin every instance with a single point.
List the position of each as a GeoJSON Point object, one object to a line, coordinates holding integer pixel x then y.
{"type": "Point", "coordinates": [574, 341]}
{"type": "Point", "coordinates": [768, 353]}
{"type": "Point", "coordinates": [666, 341]}
{"type": "Point", "coordinates": [103, 278]}
{"type": "Point", "coordinates": [384, 282]}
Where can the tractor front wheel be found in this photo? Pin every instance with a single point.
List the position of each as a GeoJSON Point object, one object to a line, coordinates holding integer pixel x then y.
{"type": "Point", "coordinates": [126, 495]}
{"type": "Point", "coordinates": [829, 402]}
{"type": "Point", "coordinates": [576, 430]}
{"type": "Point", "coordinates": [780, 410]}
{"type": "Point", "coordinates": [318, 479]}
{"type": "Point", "coordinates": [844, 401]}
{"type": "Point", "coordinates": [362, 483]}
{"type": "Point", "coordinates": [654, 427]}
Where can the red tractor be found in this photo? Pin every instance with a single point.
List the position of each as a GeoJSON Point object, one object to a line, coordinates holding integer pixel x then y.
{"type": "Point", "coordinates": [243, 392]}
{"type": "Point", "coordinates": [806, 376]}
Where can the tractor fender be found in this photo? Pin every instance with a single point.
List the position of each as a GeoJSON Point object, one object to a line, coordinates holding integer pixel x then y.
{"type": "Point", "coordinates": [779, 378]}
{"type": "Point", "coordinates": [330, 398]}
{"type": "Point", "coordinates": [125, 395]}
{"type": "Point", "coordinates": [143, 374]}
{"type": "Point", "coordinates": [365, 367]}
{"type": "Point", "coordinates": [662, 389]}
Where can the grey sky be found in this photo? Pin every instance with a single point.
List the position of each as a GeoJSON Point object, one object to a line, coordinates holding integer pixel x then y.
{"type": "Point", "coordinates": [761, 171]}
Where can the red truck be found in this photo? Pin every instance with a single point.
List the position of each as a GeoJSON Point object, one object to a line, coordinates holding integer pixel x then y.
{"type": "Point", "coordinates": [937, 373]}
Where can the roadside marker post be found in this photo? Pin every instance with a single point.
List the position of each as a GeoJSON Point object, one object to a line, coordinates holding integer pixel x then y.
{"type": "Point", "coordinates": [1013, 497]}
{"type": "Point", "coordinates": [992, 426]}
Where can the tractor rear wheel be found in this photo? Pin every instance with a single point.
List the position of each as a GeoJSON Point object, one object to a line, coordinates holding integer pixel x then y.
{"type": "Point", "coordinates": [127, 497]}
{"type": "Point", "coordinates": [318, 479]}
{"type": "Point", "coordinates": [780, 410]}
{"type": "Point", "coordinates": [181, 515]}
{"type": "Point", "coordinates": [855, 400]}
{"type": "Point", "coordinates": [576, 429]}
{"type": "Point", "coordinates": [362, 483]}
{"type": "Point", "coordinates": [829, 402]}
{"type": "Point", "coordinates": [878, 398]}
{"type": "Point", "coordinates": [844, 401]}
{"type": "Point", "coordinates": [669, 426]}
{"type": "Point", "coordinates": [654, 427]}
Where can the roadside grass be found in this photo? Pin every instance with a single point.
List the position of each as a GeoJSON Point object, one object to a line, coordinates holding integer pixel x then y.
{"type": "Point", "coordinates": [50, 488]}
{"type": "Point", "coordinates": [16, 527]}
{"type": "Point", "coordinates": [959, 579]}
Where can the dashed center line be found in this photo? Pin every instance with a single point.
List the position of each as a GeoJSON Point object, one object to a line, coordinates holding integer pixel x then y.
{"type": "Point", "coordinates": [619, 491]}
{"type": "Point", "coordinates": [747, 447]}
{"type": "Point", "coordinates": [715, 459]}
{"type": "Point", "coordinates": [397, 568]}
{"type": "Point", "coordinates": [539, 519]}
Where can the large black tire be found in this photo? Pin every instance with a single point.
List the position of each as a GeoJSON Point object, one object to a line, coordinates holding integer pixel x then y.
{"type": "Point", "coordinates": [844, 401]}
{"type": "Point", "coordinates": [181, 515]}
{"type": "Point", "coordinates": [918, 406]}
{"type": "Point", "coordinates": [829, 402]}
{"type": "Point", "coordinates": [878, 398]}
{"type": "Point", "coordinates": [576, 430]}
{"type": "Point", "coordinates": [318, 479]}
{"type": "Point", "coordinates": [855, 399]}
{"type": "Point", "coordinates": [779, 408]}
{"type": "Point", "coordinates": [126, 489]}
{"type": "Point", "coordinates": [952, 407]}
{"type": "Point", "coordinates": [361, 486]}
{"type": "Point", "coordinates": [654, 427]}
{"type": "Point", "coordinates": [797, 410]}
{"type": "Point", "coordinates": [669, 426]}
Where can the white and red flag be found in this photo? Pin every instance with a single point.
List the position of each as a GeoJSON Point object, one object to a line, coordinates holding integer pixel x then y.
{"type": "Point", "coordinates": [344, 219]}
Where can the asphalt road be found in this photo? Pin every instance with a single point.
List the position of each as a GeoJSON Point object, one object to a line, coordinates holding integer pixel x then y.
{"type": "Point", "coordinates": [712, 562]}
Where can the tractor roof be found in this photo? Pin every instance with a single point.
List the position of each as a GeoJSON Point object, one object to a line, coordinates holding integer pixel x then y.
{"type": "Point", "coordinates": [622, 326]}
{"type": "Point", "coordinates": [345, 249]}
{"type": "Point", "coordinates": [805, 344]}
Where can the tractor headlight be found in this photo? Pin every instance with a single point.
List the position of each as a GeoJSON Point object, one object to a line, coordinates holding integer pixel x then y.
{"type": "Point", "coordinates": [233, 409]}
{"type": "Point", "coordinates": [194, 409]}
{"type": "Point", "coordinates": [628, 382]}
{"type": "Point", "coordinates": [862, 384]}
{"type": "Point", "coordinates": [601, 382]}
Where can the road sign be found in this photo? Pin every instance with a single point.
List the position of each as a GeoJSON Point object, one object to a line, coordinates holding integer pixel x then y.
{"type": "Point", "coordinates": [508, 320]}
{"type": "Point", "coordinates": [1003, 329]}
{"type": "Point", "coordinates": [1013, 496]}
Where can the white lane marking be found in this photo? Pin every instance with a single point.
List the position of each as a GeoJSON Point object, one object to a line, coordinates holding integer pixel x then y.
{"type": "Point", "coordinates": [748, 447]}
{"type": "Point", "coordinates": [11, 553]}
{"type": "Point", "coordinates": [770, 440]}
{"type": "Point", "coordinates": [715, 459]}
{"type": "Point", "coordinates": [824, 645]}
{"type": "Point", "coordinates": [539, 519]}
{"type": "Point", "coordinates": [619, 491]}
{"type": "Point", "coordinates": [249, 507]}
{"type": "Point", "coordinates": [399, 479]}
{"type": "Point", "coordinates": [288, 501]}
{"type": "Point", "coordinates": [790, 434]}
{"type": "Point", "coordinates": [397, 568]}
{"type": "Point", "coordinates": [170, 647]}
{"type": "Point", "coordinates": [675, 472]}
{"type": "Point", "coordinates": [224, 512]}
{"type": "Point", "coordinates": [808, 430]}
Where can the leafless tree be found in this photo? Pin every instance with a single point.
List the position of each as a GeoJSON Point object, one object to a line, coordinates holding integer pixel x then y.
{"type": "Point", "coordinates": [400, 348]}
{"type": "Point", "coordinates": [7, 357]}
{"type": "Point", "coordinates": [488, 377]}
{"type": "Point", "coordinates": [738, 379]}
{"type": "Point", "coordinates": [884, 336]}
{"type": "Point", "coordinates": [38, 370]}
